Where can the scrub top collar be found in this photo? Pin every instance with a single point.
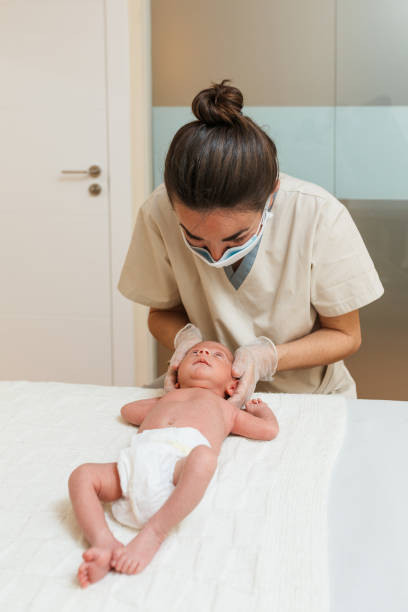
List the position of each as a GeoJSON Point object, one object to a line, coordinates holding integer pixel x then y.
{"type": "Point", "coordinates": [237, 277]}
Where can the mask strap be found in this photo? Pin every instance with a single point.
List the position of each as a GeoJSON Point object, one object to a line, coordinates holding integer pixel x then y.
{"type": "Point", "coordinates": [273, 200]}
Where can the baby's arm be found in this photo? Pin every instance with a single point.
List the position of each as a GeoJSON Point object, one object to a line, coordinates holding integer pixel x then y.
{"type": "Point", "coordinates": [135, 412]}
{"type": "Point", "coordinates": [257, 421]}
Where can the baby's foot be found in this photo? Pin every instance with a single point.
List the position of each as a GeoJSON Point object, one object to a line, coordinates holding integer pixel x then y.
{"type": "Point", "coordinates": [97, 563]}
{"type": "Point", "coordinates": [133, 558]}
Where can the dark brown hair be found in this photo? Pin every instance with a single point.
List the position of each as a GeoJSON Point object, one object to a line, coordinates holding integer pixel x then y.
{"type": "Point", "coordinates": [224, 159]}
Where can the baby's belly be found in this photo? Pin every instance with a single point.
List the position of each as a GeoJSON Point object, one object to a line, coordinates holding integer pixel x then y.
{"type": "Point", "coordinates": [213, 430]}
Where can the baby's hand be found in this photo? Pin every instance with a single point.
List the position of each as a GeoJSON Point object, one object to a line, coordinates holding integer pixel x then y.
{"type": "Point", "coordinates": [253, 405]}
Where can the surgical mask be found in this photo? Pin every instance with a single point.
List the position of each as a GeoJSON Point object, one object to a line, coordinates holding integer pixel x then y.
{"type": "Point", "coordinates": [233, 254]}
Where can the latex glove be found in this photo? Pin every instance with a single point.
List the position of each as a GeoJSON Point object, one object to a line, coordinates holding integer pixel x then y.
{"type": "Point", "coordinates": [252, 362]}
{"type": "Point", "coordinates": [185, 338]}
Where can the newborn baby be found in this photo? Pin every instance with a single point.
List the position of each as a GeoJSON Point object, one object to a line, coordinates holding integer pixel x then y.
{"type": "Point", "coordinates": [165, 472]}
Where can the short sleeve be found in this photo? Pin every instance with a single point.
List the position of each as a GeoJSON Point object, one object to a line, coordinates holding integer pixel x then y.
{"type": "Point", "coordinates": [147, 276]}
{"type": "Point", "coordinates": [343, 276]}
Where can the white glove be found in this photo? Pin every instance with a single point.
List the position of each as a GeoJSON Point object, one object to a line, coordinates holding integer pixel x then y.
{"type": "Point", "coordinates": [252, 362]}
{"type": "Point", "coordinates": [185, 338]}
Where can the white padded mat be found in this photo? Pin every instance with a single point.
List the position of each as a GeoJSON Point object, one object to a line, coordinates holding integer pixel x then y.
{"type": "Point", "coordinates": [257, 542]}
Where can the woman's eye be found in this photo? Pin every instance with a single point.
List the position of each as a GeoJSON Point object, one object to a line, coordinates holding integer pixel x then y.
{"type": "Point", "coordinates": [219, 355]}
{"type": "Point", "coordinates": [191, 239]}
{"type": "Point", "coordinates": [196, 243]}
{"type": "Point", "coordinates": [234, 241]}
{"type": "Point", "coordinates": [240, 240]}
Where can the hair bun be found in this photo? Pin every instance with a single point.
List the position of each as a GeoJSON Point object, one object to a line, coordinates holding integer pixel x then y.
{"type": "Point", "coordinates": [220, 104]}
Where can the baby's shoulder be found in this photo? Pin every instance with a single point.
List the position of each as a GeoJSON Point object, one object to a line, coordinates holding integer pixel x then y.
{"type": "Point", "coordinates": [228, 407]}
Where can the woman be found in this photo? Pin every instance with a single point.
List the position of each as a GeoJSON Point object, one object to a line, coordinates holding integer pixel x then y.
{"type": "Point", "coordinates": [260, 261]}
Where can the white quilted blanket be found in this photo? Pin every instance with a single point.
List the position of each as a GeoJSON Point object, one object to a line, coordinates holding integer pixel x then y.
{"type": "Point", "coordinates": [257, 542]}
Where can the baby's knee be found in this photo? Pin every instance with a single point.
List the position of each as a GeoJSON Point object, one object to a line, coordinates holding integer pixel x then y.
{"type": "Point", "coordinates": [79, 475]}
{"type": "Point", "coordinates": [203, 459]}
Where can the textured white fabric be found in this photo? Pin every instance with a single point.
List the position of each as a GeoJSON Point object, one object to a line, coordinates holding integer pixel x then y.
{"type": "Point", "coordinates": [146, 469]}
{"type": "Point", "coordinates": [257, 542]}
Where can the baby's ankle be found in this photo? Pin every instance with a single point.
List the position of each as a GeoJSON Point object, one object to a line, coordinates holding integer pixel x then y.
{"type": "Point", "coordinates": [157, 530]}
{"type": "Point", "coordinates": [107, 542]}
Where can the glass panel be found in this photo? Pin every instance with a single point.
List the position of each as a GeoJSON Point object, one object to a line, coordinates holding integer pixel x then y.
{"type": "Point", "coordinates": [372, 51]}
{"type": "Point", "coordinates": [338, 112]}
{"type": "Point", "coordinates": [372, 152]}
{"type": "Point", "coordinates": [372, 178]}
{"type": "Point", "coordinates": [380, 366]}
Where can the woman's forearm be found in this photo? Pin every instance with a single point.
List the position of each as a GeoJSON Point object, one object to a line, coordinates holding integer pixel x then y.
{"type": "Point", "coordinates": [321, 347]}
{"type": "Point", "coordinates": [164, 324]}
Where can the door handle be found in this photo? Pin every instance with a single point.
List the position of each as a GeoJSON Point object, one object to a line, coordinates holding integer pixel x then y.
{"type": "Point", "coordinates": [92, 171]}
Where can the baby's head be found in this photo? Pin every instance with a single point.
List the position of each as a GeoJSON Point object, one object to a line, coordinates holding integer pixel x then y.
{"type": "Point", "coordinates": [208, 365]}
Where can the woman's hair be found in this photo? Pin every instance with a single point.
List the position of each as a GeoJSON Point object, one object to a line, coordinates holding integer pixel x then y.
{"type": "Point", "coordinates": [223, 159]}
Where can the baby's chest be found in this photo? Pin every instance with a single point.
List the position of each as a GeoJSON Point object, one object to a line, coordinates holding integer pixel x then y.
{"type": "Point", "coordinates": [197, 411]}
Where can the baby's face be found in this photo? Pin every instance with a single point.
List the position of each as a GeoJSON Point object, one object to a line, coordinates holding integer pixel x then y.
{"type": "Point", "coordinates": [207, 364]}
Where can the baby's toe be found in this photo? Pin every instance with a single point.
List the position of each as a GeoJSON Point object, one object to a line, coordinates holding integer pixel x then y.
{"type": "Point", "coordinates": [83, 568]}
{"type": "Point", "coordinates": [119, 563]}
{"type": "Point", "coordinates": [126, 566]}
{"type": "Point", "coordinates": [116, 555]}
{"type": "Point", "coordinates": [83, 577]}
{"type": "Point", "coordinates": [90, 554]}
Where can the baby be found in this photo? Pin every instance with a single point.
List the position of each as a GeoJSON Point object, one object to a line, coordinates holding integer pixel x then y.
{"type": "Point", "coordinates": [165, 472]}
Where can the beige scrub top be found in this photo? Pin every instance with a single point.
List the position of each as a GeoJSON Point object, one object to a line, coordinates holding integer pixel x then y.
{"type": "Point", "coordinates": [311, 260]}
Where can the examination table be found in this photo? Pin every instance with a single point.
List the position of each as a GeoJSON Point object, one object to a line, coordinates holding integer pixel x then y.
{"type": "Point", "coordinates": [275, 531]}
{"type": "Point", "coordinates": [368, 510]}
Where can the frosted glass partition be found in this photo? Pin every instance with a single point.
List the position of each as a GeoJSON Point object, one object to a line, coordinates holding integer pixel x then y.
{"type": "Point", "coordinates": [380, 366]}
{"type": "Point", "coordinates": [371, 52]}
{"type": "Point", "coordinates": [304, 137]}
{"type": "Point", "coordinates": [327, 80]}
{"type": "Point", "coordinates": [372, 152]}
{"type": "Point", "coordinates": [371, 174]}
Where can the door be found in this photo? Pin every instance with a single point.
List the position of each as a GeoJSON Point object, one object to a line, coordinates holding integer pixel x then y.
{"type": "Point", "coordinates": [55, 242]}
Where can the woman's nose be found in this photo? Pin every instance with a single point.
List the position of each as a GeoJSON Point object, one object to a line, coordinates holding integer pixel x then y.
{"type": "Point", "coordinates": [217, 252]}
{"type": "Point", "coordinates": [205, 351]}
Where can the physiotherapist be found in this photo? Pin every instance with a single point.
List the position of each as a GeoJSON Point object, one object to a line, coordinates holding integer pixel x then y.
{"type": "Point", "coordinates": [229, 249]}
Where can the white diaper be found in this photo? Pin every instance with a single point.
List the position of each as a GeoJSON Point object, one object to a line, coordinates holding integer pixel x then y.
{"type": "Point", "coordinates": [146, 471]}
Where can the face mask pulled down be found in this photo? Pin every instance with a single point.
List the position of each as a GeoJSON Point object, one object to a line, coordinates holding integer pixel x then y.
{"type": "Point", "coordinates": [233, 254]}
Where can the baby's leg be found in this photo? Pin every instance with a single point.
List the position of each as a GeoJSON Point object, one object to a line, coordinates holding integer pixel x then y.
{"type": "Point", "coordinates": [89, 484]}
{"type": "Point", "coordinates": [193, 480]}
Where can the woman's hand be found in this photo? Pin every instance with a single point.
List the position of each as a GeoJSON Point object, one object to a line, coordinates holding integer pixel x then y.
{"type": "Point", "coordinates": [185, 338]}
{"type": "Point", "coordinates": [252, 362]}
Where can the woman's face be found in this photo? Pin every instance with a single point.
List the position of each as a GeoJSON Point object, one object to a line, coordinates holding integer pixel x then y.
{"type": "Point", "coordinates": [219, 229]}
